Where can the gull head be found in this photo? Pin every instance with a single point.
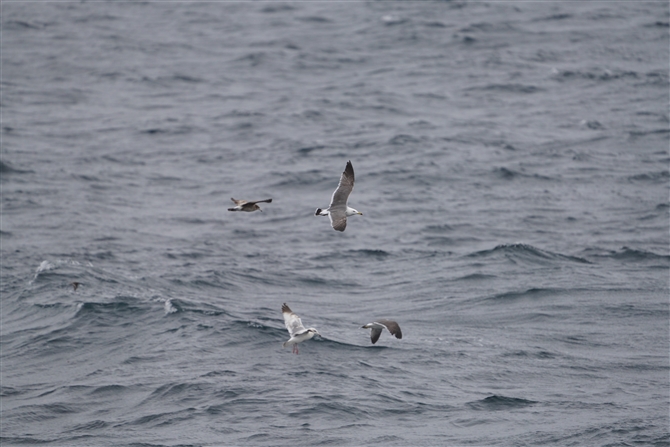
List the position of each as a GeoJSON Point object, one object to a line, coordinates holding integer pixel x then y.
{"type": "Point", "coordinates": [313, 332]}
{"type": "Point", "coordinates": [351, 212]}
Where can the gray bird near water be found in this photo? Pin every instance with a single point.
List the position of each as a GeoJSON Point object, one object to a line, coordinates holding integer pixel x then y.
{"type": "Point", "coordinates": [339, 210]}
{"type": "Point", "coordinates": [243, 205]}
{"type": "Point", "coordinates": [379, 325]}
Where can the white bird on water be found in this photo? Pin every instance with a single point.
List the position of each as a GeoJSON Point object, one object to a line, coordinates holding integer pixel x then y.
{"type": "Point", "coordinates": [379, 325]}
{"type": "Point", "coordinates": [339, 210]}
{"type": "Point", "coordinates": [295, 328]}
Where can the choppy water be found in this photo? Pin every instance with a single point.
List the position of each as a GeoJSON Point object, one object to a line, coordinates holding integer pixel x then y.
{"type": "Point", "coordinates": [512, 167]}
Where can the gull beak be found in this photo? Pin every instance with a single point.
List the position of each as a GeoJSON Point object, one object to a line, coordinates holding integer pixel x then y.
{"type": "Point", "coordinates": [360, 213]}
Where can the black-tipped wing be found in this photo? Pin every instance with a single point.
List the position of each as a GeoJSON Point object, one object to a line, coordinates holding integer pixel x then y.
{"type": "Point", "coordinates": [344, 188]}
{"type": "Point", "coordinates": [374, 334]}
{"type": "Point", "coordinates": [392, 327]}
{"type": "Point", "coordinates": [292, 321]}
{"type": "Point", "coordinates": [261, 201]}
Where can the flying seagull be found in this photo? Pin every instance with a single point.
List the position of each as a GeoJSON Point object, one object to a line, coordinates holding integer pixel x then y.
{"type": "Point", "coordinates": [379, 325]}
{"type": "Point", "coordinates": [243, 205]}
{"type": "Point", "coordinates": [295, 328]}
{"type": "Point", "coordinates": [75, 285]}
{"type": "Point", "coordinates": [338, 211]}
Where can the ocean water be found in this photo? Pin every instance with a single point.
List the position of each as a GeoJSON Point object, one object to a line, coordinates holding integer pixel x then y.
{"type": "Point", "coordinates": [511, 165]}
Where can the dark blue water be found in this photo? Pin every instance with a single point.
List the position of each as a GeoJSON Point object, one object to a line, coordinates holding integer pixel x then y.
{"type": "Point", "coordinates": [511, 164]}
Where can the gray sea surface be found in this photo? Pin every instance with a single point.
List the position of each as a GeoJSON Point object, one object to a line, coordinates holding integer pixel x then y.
{"type": "Point", "coordinates": [511, 164]}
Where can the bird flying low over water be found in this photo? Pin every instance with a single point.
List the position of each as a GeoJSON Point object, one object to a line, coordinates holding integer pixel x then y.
{"type": "Point", "coordinates": [243, 205]}
{"type": "Point", "coordinates": [295, 328]}
{"type": "Point", "coordinates": [338, 211]}
{"type": "Point", "coordinates": [379, 325]}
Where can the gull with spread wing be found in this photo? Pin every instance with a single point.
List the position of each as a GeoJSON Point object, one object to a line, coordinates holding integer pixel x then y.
{"type": "Point", "coordinates": [338, 211]}
{"type": "Point", "coordinates": [295, 328]}
{"type": "Point", "coordinates": [379, 325]}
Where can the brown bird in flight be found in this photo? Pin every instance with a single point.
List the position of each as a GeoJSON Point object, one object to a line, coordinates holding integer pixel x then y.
{"type": "Point", "coordinates": [243, 205]}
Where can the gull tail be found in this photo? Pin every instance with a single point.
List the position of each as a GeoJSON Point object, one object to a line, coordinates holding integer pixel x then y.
{"type": "Point", "coordinates": [320, 212]}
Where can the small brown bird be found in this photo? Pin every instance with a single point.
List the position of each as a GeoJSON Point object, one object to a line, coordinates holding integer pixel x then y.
{"type": "Point", "coordinates": [74, 285]}
{"type": "Point", "coordinates": [243, 205]}
{"type": "Point", "coordinates": [379, 325]}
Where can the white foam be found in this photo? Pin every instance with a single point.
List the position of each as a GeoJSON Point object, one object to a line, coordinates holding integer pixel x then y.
{"type": "Point", "coordinates": [170, 308]}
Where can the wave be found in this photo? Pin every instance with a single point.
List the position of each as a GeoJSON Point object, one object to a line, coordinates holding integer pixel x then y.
{"type": "Point", "coordinates": [534, 293]}
{"type": "Point", "coordinates": [120, 306]}
{"type": "Point", "coordinates": [301, 179]}
{"type": "Point", "coordinates": [7, 168]}
{"type": "Point", "coordinates": [508, 88]}
{"type": "Point", "coordinates": [517, 253]}
{"type": "Point", "coordinates": [179, 391]}
{"type": "Point", "coordinates": [510, 174]}
{"type": "Point", "coordinates": [354, 254]}
{"type": "Point", "coordinates": [594, 74]}
{"type": "Point", "coordinates": [632, 255]}
{"type": "Point", "coordinates": [540, 355]}
{"type": "Point", "coordinates": [496, 403]}
{"type": "Point", "coordinates": [475, 277]}
{"type": "Point", "coordinates": [405, 139]}
{"type": "Point", "coordinates": [96, 424]}
{"type": "Point", "coordinates": [651, 177]}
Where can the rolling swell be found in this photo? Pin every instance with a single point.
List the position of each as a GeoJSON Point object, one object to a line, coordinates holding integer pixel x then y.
{"type": "Point", "coordinates": [128, 127]}
{"type": "Point", "coordinates": [526, 254]}
{"type": "Point", "coordinates": [534, 294]}
{"type": "Point", "coordinates": [500, 403]}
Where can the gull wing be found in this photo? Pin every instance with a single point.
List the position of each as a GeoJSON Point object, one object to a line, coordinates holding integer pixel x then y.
{"type": "Point", "coordinates": [238, 202]}
{"type": "Point", "coordinates": [338, 219]}
{"type": "Point", "coordinates": [344, 188]}
{"type": "Point", "coordinates": [292, 321]}
{"type": "Point", "coordinates": [392, 327]}
{"type": "Point", "coordinates": [374, 334]}
{"type": "Point", "coordinates": [260, 201]}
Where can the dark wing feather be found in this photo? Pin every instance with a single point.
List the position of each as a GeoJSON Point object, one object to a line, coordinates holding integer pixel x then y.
{"type": "Point", "coordinates": [374, 335]}
{"type": "Point", "coordinates": [261, 201]}
{"type": "Point", "coordinates": [392, 326]}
